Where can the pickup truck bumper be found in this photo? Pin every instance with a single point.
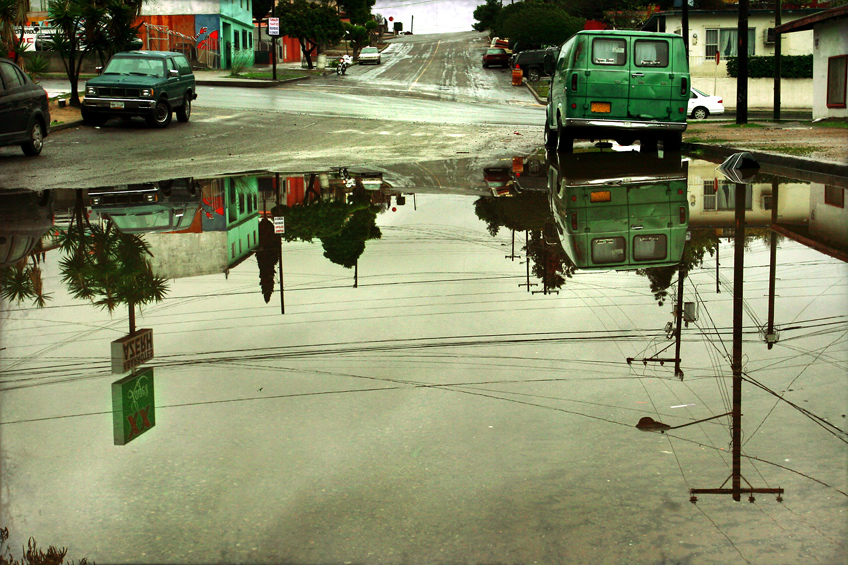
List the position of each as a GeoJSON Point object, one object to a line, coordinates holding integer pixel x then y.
{"type": "Point", "coordinates": [119, 105]}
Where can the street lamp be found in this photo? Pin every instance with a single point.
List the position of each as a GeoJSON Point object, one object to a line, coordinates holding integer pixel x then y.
{"type": "Point", "coordinates": [648, 424]}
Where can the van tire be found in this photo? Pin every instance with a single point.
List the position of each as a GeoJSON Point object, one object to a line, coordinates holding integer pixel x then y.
{"type": "Point", "coordinates": [565, 139]}
{"type": "Point", "coordinates": [550, 137]}
{"type": "Point", "coordinates": [673, 142]}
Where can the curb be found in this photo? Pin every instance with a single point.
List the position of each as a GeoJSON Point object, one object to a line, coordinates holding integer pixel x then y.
{"type": "Point", "coordinates": [245, 82]}
{"type": "Point", "coordinates": [792, 166]}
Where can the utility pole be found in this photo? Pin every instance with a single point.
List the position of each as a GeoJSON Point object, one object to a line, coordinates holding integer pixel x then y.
{"type": "Point", "coordinates": [742, 60]}
{"type": "Point", "coordinates": [736, 365]}
{"type": "Point", "coordinates": [777, 56]}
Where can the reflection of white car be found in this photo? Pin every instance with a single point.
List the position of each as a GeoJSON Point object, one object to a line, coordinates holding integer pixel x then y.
{"type": "Point", "coordinates": [369, 55]}
{"type": "Point", "coordinates": [702, 105]}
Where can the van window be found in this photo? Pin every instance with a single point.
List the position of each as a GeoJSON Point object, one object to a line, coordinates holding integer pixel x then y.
{"type": "Point", "coordinates": [608, 250]}
{"type": "Point", "coordinates": [649, 247]}
{"type": "Point", "coordinates": [608, 51]}
{"type": "Point", "coordinates": [650, 53]}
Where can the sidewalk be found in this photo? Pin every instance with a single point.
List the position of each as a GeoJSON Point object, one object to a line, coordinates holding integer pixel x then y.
{"type": "Point", "coordinates": [219, 77]}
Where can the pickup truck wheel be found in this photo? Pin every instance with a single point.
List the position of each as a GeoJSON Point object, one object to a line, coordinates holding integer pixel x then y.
{"type": "Point", "coordinates": [36, 140]}
{"type": "Point", "coordinates": [91, 119]}
{"type": "Point", "coordinates": [533, 75]}
{"type": "Point", "coordinates": [184, 111]}
{"type": "Point", "coordinates": [160, 116]}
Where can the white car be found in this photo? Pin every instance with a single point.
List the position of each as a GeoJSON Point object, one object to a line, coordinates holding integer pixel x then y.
{"type": "Point", "coordinates": [702, 105]}
{"type": "Point", "coordinates": [369, 55]}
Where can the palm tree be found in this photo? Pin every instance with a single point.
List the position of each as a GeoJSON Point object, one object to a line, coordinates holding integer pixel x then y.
{"type": "Point", "coordinates": [12, 13]}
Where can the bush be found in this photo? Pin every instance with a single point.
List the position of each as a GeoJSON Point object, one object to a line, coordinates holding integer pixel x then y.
{"type": "Point", "coordinates": [242, 59]}
{"type": "Point", "coordinates": [791, 66]}
{"type": "Point", "coordinates": [33, 555]}
{"type": "Point", "coordinates": [36, 65]}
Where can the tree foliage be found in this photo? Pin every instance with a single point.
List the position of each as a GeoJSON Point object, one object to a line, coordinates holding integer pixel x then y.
{"type": "Point", "coordinates": [358, 11]}
{"type": "Point", "coordinates": [531, 25]}
{"type": "Point", "coordinates": [104, 27]}
{"type": "Point", "coordinates": [359, 36]}
{"type": "Point", "coordinates": [486, 15]}
{"type": "Point", "coordinates": [313, 25]}
{"type": "Point", "coordinates": [12, 13]}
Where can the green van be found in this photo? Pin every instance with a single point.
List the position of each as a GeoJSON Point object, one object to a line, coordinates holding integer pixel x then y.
{"type": "Point", "coordinates": [619, 210]}
{"type": "Point", "coordinates": [620, 85]}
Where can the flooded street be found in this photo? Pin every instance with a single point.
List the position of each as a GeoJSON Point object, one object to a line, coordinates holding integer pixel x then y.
{"type": "Point", "coordinates": [447, 365]}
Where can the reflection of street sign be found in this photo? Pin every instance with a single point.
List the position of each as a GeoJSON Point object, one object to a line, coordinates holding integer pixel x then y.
{"type": "Point", "coordinates": [273, 26]}
{"type": "Point", "coordinates": [279, 224]}
{"type": "Point", "coordinates": [133, 410]}
{"type": "Point", "coordinates": [131, 351]}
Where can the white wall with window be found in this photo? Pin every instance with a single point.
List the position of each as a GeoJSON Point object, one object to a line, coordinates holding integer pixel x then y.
{"type": "Point", "coordinates": [830, 69]}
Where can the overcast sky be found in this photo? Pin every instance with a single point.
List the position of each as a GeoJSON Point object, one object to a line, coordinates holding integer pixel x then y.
{"type": "Point", "coordinates": [429, 16]}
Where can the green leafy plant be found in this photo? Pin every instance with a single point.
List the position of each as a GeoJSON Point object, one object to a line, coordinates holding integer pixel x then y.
{"type": "Point", "coordinates": [36, 66]}
{"type": "Point", "coordinates": [791, 66]}
{"type": "Point", "coordinates": [242, 59]}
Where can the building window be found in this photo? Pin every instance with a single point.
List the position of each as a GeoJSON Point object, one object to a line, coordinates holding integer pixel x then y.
{"type": "Point", "coordinates": [837, 70]}
{"type": "Point", "coordinates": [725, 42]}
{"type": "Point", "coordinates": [835, 196]}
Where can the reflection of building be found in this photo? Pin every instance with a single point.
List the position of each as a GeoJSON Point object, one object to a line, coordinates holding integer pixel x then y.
{"type": "Point", "coordinates": [811, 213]}
{"type": "Point", "coordinates": [224, 234]}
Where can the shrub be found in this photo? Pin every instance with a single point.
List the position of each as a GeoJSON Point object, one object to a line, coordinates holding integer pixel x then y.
{"type": "Point", "coordinates": [36, 66]}
{"type": "Point", "coordinates": [791, 66]}
{"type": "Point", "coordinates": [242, 59]}
{"type": "Point", "coordinates": [33, 555]}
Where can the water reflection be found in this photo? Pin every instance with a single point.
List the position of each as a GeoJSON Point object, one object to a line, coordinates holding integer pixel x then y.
{"type": "Point", "coordinates": [448, 405]}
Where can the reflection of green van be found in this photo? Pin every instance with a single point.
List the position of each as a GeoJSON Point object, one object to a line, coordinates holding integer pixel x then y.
{"type": "Point", "coordinates": [620, 85]}
{"type": "Point", "coordinates": [620, 210]}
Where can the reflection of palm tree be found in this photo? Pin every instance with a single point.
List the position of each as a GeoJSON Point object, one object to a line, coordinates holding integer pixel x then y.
{"type": "Point", "coordinates": [22, 281]}
{"type": "Point", "coordinates": [108, 267]}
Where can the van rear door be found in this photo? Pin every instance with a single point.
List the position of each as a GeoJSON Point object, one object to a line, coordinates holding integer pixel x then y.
{"type": "Point", "coordinates": [652, 77]}
{"type": "Point", "coordinates": [607, 78]}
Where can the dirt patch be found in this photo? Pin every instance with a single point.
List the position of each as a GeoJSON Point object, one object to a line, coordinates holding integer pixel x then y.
{"type": "Point", "coordinates": [798, 139]}
{"type": "Point", "coordinates": [63, 115]}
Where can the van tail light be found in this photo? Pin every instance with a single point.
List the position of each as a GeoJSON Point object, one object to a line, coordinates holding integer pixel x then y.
{"type": "Point", "coordinates": [684, 86]}
{"type": "Point", "coordinates": [682, 214]}
{"type": "Point", "coordinates": [574, 81]}
{"type": "Point", "coordinates": [573, 222]}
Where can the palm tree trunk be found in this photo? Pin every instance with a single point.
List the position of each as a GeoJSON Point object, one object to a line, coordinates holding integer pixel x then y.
{"type": "Point", "coordinates": [131, 307]}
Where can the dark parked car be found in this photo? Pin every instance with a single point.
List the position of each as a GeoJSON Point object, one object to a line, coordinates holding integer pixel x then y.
{"type": "Point", "coordinates": [532, 63]}
{"type": "Point", "coordinates": [150, 84]}
{"type": "Point", "coordinates": [24, 114]}
{"type": "Point", "coordinates": [495, 56]}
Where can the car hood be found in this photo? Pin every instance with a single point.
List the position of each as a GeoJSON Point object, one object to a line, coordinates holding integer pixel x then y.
{"type": "Point", "coordinates": [124, 80]}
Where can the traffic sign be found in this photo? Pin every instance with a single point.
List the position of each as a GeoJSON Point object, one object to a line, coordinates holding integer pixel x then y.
{"type": "Point", "coordinates": [273, 26]}
{"type": "Point", "coordinates": [279, 224]}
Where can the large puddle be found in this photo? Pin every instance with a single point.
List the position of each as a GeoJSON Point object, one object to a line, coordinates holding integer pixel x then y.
{"type": "Point", "coordinates": [441, 362]}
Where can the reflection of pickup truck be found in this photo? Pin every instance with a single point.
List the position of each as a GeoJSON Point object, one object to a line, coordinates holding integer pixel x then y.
{"type": "Point", "coordinates": [150, 207]}
{"type": "Point", "coordinates": [532, 62]}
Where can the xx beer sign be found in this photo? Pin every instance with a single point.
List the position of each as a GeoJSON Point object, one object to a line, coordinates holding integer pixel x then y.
{"type": "Point", "coordinates": [133, 410]}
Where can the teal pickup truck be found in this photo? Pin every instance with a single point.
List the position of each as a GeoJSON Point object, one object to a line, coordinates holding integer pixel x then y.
{"type": "Point", "coordinates": [150, 84]}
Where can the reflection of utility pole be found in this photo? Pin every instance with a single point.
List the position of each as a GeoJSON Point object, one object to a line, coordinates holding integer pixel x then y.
{"type": "Point", "coordinates": [512, 254]}
{"type": "Point", "coordinates": [771, 337]}
{"type": "Point", "coordinates": [680, 278]}
{"type": "Point", "coordinates": [356, 274]}
{"type": "Point", "coordinates": [528, 284]}
{"type": "Point", "coordinates": [545, 289]}
{"type": "Point", "coordinates": [718, 248]}
{"type": "Point", "coordinates": [738, 307]}
{"type": "Point", "coordinates": [678, 314]}
{"type": "Point", "coordinates": [282, 295]}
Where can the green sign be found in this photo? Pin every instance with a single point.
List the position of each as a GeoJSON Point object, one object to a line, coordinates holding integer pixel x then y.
{"type": "Point", "coordinates": [133, 412]}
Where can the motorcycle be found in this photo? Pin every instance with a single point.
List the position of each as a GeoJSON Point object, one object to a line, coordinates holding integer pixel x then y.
{"type": "Point", "coordinates": [344, 63]}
